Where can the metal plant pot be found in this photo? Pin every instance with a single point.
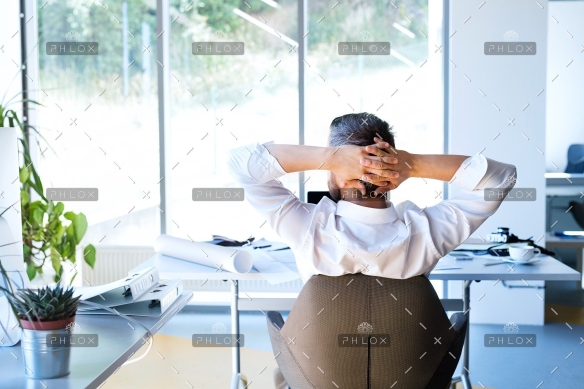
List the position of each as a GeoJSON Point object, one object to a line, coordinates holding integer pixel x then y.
{"type": "Point", "coordinates": [42, 360]}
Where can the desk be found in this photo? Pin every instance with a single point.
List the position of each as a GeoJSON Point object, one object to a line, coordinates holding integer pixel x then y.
{"type": "Point", "coordinates": [547, 269]}
{"type": "Point", "coordinates": [564, 184]}
{"type": "Point", "coordinates": [91, 366]}
{"type": "Point", "coordinates": [552, 241]}
{"type": "Point", "coordinates": [169, 268]}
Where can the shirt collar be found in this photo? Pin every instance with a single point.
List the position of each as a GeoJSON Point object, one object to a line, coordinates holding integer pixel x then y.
{"type": "Point", "coordinates": [365, 214]}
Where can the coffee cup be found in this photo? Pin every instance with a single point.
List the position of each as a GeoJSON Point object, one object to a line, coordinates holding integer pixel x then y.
{"type": "Point", "coordinates": [523, 253]}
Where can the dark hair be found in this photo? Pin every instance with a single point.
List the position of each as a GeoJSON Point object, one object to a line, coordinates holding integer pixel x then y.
{"type": "Point", "coordinates": [359, 129]}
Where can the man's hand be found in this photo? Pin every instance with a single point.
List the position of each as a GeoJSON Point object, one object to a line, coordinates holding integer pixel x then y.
{"type": "Point", "coordinates": [437, 167]}
{"type": "Point", "coordinates": [346, 163]}
{"type": "Point", "coordinates": [385, 162]}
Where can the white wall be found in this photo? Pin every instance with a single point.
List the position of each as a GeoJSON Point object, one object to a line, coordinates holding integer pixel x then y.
{"type": "Point", "coordinates": [565, 116]}
{"type": "Point", "coordinates": [9, 24]}
{"type": "Point", "coordinates": [510, 82]}
{"type": "Point", "coordinates": [10, 85]}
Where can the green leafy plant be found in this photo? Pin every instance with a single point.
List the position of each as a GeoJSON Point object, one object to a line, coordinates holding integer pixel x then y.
{"type": "Point", "coordinates": [48, 232]}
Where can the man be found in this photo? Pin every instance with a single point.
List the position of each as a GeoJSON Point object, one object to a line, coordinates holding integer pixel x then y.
{"type": "Point", "coordinates": [360, 231]}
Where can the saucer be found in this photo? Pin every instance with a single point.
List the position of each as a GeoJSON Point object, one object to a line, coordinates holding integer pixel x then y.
{"type": "Point", "coordinates": [532, 260]}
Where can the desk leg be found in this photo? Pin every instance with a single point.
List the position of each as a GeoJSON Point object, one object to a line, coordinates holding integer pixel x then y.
{"type": "Point", "coordinates": [579, 258]}
{"type": "Point", "coordinates": [465, 351]}
{"type": "Point", "coordinates": [466, 348]}
{"type": "Point", "coordinates": [235, 329]}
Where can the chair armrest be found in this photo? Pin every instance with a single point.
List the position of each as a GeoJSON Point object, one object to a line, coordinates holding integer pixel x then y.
{"type": "Point", "coordinates": [275, 319]}
{"type": "Point", "coordinates": [458, 319]}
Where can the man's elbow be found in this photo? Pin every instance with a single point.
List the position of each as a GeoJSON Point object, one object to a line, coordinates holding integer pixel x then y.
{"type": "Point", "coordinates": [233, 162]}
{"type": "Point", "coordinates": [512, 176]}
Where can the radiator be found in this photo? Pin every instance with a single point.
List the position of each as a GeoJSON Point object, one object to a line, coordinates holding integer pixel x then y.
{"type": "Point", "coordinates": [114, 262]}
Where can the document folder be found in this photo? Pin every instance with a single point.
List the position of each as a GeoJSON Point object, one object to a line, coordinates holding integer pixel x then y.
{"type": "Point", "coordinates": [152, 303]}
{"type": "Point", "coordinates": [124, 291]}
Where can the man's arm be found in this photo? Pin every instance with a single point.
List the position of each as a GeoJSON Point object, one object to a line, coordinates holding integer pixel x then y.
{"type": "Point", "coordinates": [257, 172]}
{"type": "Point", "coordinates": [433, 166]}
{"type": "Point", "coordinates": [343, 161]}
{"type": "Point", "coordinates": [450, 221]}
{"type": "Point", "coordinates": [257, 167]}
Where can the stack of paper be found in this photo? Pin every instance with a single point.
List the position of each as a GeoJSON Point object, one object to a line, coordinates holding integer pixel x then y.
{"type": "Point", "coordinates": [139, 294]}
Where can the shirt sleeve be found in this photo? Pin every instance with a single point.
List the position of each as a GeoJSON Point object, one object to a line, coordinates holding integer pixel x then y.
{"type": "Point", "coordinates": [257, 171]}
{"type": "Point", "coordinates": [452, 221]}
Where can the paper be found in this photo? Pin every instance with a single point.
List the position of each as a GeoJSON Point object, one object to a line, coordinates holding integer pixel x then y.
{"type": "Point", "coordinates": [446, 263]}
{"type": "Point", "coordinates": [283, 256]}
{"type": "Point", "coordinates": [446, 267]}
{"type": "Point", "coordinates": [224, 258]}
{"type": "Point", "coordinates": [272, 271]}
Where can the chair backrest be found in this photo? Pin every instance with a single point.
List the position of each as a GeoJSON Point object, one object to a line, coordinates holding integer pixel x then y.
{"type": "Point", "coordinates": [575, 159]}
{"type": "Point", "coordinates": [577, 210]}
{"type": "Point", "coordinates": [358, 331]}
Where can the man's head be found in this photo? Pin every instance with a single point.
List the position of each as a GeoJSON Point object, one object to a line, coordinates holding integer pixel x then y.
{"type": "Point", "coordinates": [356, 129]}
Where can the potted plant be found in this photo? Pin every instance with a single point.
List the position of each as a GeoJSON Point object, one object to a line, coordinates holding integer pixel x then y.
{"type": "Point", "coordinates": [50, 234]}
{"type": "Point", "coordinates": [44, 314]}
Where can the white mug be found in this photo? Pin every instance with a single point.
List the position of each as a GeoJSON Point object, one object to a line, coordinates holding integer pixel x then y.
{"type": "Point", "coordinates": [523, 253]}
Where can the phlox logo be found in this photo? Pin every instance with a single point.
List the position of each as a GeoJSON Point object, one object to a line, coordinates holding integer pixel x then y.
{"type": "Point", "coordinates": [510, 46]}
{"type": "Point", "coordinates": [219, 328]}
{"type": "Point", "coordinates": [510, 338]}
{"type": "Point", "coordinates": [72, 338]}
{"type": "Point", "coordinates": [364, 46]}
{"type": "Point", "coordinates": [72, 46]}
{"type": "Point", "coordinates": [218, 338]}
{"type": "Point", "coordinates": [364, 338]}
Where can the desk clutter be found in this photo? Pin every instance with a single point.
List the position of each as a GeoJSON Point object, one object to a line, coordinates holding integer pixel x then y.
{"type": "Point", "coordinates": [499, 243]}
{"type": "Point", "coordinates": [273, 260]}
{"type": "Point", "coordinates": [208, 254]}
{"type": "Point", "coordinates": [142, 293]}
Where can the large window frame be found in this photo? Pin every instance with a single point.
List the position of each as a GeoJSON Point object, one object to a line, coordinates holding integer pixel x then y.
{"type": "Point", "coordinates": [30, 30]}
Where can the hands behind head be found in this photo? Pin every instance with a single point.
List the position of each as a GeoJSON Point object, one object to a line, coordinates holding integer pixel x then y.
{"type": "Point", "coordinates": [379, 163]}
{"type": "Point", "coordinates": [395, 166]}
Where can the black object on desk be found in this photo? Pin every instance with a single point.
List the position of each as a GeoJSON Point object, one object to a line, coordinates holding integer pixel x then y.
{"type": "Point", "coordinates": [228, 242]}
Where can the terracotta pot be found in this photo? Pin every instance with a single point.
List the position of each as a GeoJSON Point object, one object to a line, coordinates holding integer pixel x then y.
{"type": "Point", "coordinates": [46, 325]}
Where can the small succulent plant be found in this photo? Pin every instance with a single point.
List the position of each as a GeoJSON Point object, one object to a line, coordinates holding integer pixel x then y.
{"type": "Point", "coordinates": [45, 304]}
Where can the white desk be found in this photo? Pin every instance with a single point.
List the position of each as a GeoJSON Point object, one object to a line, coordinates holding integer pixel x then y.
{"type": "Point", "coordinates": [546, 270]}
{"type": "Point", "coordinates": [564, 184]}
{"type": "Point", "coordinates": [91, 366]}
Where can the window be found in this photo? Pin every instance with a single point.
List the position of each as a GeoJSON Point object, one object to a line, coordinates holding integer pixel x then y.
{"type": "Point", "coordinates": [402, 88]}
{"type": "Point", "coordinates": [100, 115]}
{"type": "Point", "coordinates": [220, 102]}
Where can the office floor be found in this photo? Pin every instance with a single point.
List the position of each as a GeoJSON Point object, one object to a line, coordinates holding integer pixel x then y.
{"type": "Point", "coordinates": [556, 360]}
{"type": "Point", "coordinates": [174, 363]}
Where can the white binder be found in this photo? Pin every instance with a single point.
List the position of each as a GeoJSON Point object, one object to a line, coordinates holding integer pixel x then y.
{"type": "Point", "coordinates": [124, 291]}
{"type": "Point", "coordinates": [152, 303]}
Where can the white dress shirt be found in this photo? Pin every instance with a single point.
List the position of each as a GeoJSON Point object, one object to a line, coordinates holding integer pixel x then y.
{"type": "Point", "coordinates": [400, 241]}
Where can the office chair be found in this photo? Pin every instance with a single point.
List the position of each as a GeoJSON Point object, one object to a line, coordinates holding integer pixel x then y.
{"type": "Point", "coordinates": [577, 210]}
{"type": "Point", "coordinates": [575, 159]}
{"type": "Point", "coordinates": [422, 346]}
